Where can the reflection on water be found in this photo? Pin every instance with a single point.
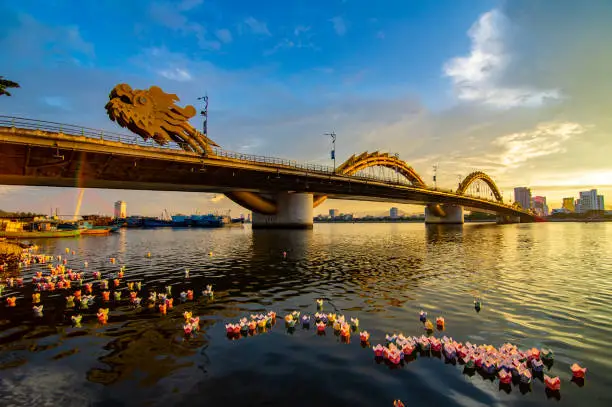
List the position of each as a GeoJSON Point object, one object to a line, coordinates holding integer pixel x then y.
{"type": "Point", "coordinates": [541, 284]}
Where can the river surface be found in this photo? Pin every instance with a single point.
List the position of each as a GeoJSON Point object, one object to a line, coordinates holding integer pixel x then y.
{"type": "Point", "coordinates": [542, 285]}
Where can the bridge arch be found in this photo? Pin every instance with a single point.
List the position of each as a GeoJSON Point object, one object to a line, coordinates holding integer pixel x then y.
{"type": "Point", "coordinates": [479, 175]}
{"type": "Point", "coordinates": [365, 160]}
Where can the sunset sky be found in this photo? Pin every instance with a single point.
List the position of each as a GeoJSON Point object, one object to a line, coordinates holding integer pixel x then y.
{"type": "Point", "coordinates": [519, 89]}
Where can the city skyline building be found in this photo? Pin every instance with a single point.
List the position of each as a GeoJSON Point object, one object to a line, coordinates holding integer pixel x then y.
{"type": "Point", "coordinates": [120, 210]}
{"type": "Point", "coordinates": [538, 203]}
{"type": "Point", "coordinates": [522, 195]}
{"type": "Point", "coordinates": [569, 204]}
{"type": "Point", "coordinates": [333, 213]}
{"type": "Point", "coordinates": [394, 213]}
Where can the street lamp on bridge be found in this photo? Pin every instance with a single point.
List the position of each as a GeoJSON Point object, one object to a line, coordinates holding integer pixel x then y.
{"type": "Point", "coordinates": [333, 151]}
{"type": "Point", "coordinates": [204, 114]}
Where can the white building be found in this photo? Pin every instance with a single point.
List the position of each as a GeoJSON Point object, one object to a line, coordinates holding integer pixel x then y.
{"type": "Point", "coordinates": [394, 213]}
{"type": "Point", "coordinates": [590, 201]}
{"type": "Point", "coordinates": [120, 210]}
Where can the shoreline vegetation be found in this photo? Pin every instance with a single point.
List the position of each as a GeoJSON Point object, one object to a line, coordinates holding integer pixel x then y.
{"type": "Point", "coordinates": [10, 252]}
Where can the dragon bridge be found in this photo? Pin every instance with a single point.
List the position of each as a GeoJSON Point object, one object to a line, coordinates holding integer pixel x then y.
{"type": "Point", "coordinates": [153, 114]}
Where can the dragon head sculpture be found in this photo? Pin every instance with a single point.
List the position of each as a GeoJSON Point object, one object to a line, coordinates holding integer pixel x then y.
{"type": "Point", "coordinates": [153, 114]}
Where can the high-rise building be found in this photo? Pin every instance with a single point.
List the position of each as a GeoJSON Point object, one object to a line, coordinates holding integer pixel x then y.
{"type": "Point", "coordinates": [590, 201]}
{"type": "Point", "coordinates": [120, 210]}
{"type": "Point", "coordinates": [522, 195]}
{"type": "Point", "coordinates": [568, 203]}
{"type": "Point", "coordinates": [394, 213]}
{"type": "Point", "coordinates": [538, 203]}
{"type": "Point", "coordinates": [334, 213]}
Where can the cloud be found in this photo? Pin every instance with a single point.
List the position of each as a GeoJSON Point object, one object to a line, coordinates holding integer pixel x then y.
{"type": "Point", "coordinates": [224, 35]}
{"type": "Point", "coordinates": [174, 17]}
{"type": "Point", "coordinates": [257, 27]}
{"type": "Point", "coordinates": [546, 139]}
{"type": "Point", "coordinates": [339, 25]}
{"type": "Point", "coordinates": [476, 77]}
{"type": "Point", "coordinates": [176, 74]}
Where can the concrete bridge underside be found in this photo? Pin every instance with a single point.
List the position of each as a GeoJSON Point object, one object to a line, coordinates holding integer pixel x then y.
{"type": "Point", "coordinates": [69, 161]}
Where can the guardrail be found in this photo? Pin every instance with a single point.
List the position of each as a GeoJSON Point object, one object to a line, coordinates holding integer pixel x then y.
{"type": "Point", "coordinates": [74, 130]}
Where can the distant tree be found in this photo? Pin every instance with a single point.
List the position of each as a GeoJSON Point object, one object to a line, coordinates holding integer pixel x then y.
{"type": "Point", "coordinates": [5, 83]}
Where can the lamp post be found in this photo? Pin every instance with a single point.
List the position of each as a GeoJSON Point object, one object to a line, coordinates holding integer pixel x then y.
{"type": "Point", "coordinates": [333, 151]}
{"type": "Point", "coordinates": [204, 114]}
{"type": "Point", "coordinates": [435, 178]}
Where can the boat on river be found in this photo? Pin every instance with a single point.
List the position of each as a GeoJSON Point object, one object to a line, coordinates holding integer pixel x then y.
{"type": "Point", "coordinates": [37, 229]}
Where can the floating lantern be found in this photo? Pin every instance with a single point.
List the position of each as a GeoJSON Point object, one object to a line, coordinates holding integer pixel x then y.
{"type": "Point", "coordinates": [117, 295]}
{"type": "Point", "coordinates": [169, 289]}
{"type": "Point", "coordinates": [305, 321]}
{"type": "Point", "coordinates": [252, 325]}
{"type": "Point", "coordinates": [187, 315]}
{"type": "Point", "coordinates": [77, 294]}
{"type": "Point", "coordinates": [440, 323]}
{"type": "Point", "coordinates": [378, 350]}
{"type": "Point", "coordinates": [320, 304]}
{"type": "Point", "coordinates": [70, 301]}
{"type": "Point", "coordinates": [477, 305]}
{"type": "Point", "coordinates": [104, 284]}
{"type": "Point", "coordinates": [504, 377]}
{"type": "Point", "coordinates": [428, 326]}
{"type": "Point", "coordinates": [163, 309]}
{"type": "Point", "coordinates": [113, 260]}
{"type": "Point", "coordinates": [547, 355]}
{"type": "Point", "coordinates": [364, 336]}
{"type": "Point", "coordinates": [103, 315]}
{"type": "Point", "coordinates": [552, 383]}
{"type": "Point", "coordinates": [88, 288]}
{"type": "Point", "coordinates": [130, 285]}
{"type": "Point", "coordinates": [423, 316]}
{"type": "Point", "coordinates": [117, 282]}
{"type": "Point", "coordinates": [537, 366]}
{"type": "Point", "coordinates": [186, 273]}
{"type": "Point", "coordinates": [331, 317]}
{"type": "Point", "coordinates": [38, 310]}
{"type": "Point", "coordinates": [136, 301]}
{"type": "Point", "coordinates": [355, 323]}
{"type": "Point", "coordinates": [183, 295]}
{"type": "Point", "coordinates": [76, 320]}
{"type": "Point", "coordinates": [120, 274]}
{"type": "Point", "coordinates": [85, 264]}
{"type": "Point", "coordinates": [321, 326]}
{"type": "Point", "coordinates": [169, 302]}
{"type": "Point", "coordinates": [97, 275]}
{"type": "Point", "coordinates": [148, 254]}
{"type": "Point", "coordinates": [525, 375]}
{"type": "Point", "coordinates": [187, 328]}
{"type": "Point", "coordinates": [105, 295]}
{"type": "Point", "coordinates": [35, 298]}
{"type": "Point", "coordinates": [577, 371]}
{"type": "Point", "coordinates": [284, 255]}
{"type": "Point", "coordinates": [190, 295]}
{"type": "Point", "coordinates": [398, 403]}
{"type": "Point", "coordinates": [67, 250]}
{"type": "Point", "coordinates": [272, 315]}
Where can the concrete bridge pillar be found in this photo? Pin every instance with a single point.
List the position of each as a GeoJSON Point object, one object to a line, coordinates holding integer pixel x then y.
{"type": "Point", "coordinates": [294, 211]}
{"type": "Point", "coordinates": [453, 214]}
{"type": "Point", "coordinates": [507, 219]}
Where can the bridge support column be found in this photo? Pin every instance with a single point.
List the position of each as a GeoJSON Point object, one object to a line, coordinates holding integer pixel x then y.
{"type": "Point", "coordinates": [507, 219]}
{"type": "Point", "coordinates": [294, 211]}
{"type": "Point", "coordinates": [454, 215]}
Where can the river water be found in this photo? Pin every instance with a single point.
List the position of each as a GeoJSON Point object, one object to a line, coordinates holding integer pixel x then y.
{"type": "Point", "coordinates": [542, 285]}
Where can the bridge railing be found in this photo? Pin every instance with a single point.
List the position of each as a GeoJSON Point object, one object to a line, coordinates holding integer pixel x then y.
{"type": "Point", "coordinates": [74, 130]}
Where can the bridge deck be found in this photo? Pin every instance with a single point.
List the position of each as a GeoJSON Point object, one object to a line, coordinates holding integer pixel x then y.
{"type": "Point", "coordinates": [46, 158]}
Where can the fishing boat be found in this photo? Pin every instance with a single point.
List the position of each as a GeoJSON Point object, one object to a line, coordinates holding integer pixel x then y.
{"type": "Point", "coordinates": [41, 228]}
{"type": "Point", "coordinates": [207, 221]}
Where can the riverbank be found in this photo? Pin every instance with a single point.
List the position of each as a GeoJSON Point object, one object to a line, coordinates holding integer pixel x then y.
{"type": "Point", "coordinates": [10, 252]}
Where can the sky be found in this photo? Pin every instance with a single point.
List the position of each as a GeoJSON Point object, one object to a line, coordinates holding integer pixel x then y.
{"type": "Point", "coordinates": [519, 89]}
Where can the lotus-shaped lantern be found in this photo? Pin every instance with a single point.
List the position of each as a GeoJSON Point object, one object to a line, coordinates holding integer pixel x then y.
{"type": "Point", "coordinates": [35, 298]}
{"type": "Point", "coordinates": [440, 323]}
{"type": "Point", "coordinates": [364, 336]}
{"type": "Point", "coordinates": [379, 350]}
{"type": "Point", "coordinates": [320, 304]}
{"type": "Point", "coordinates": [38, 310]}
{"type": "Point", "coordinates": [552, 383]}
{"type": "Point", "coordinates": [577, 371]}
{"type": "Point", "coordinates": [504, 376]}
{"type": "Point", "coordinates": [76, 320]}
{"type": "Point", "coordinates": [423, 316]}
